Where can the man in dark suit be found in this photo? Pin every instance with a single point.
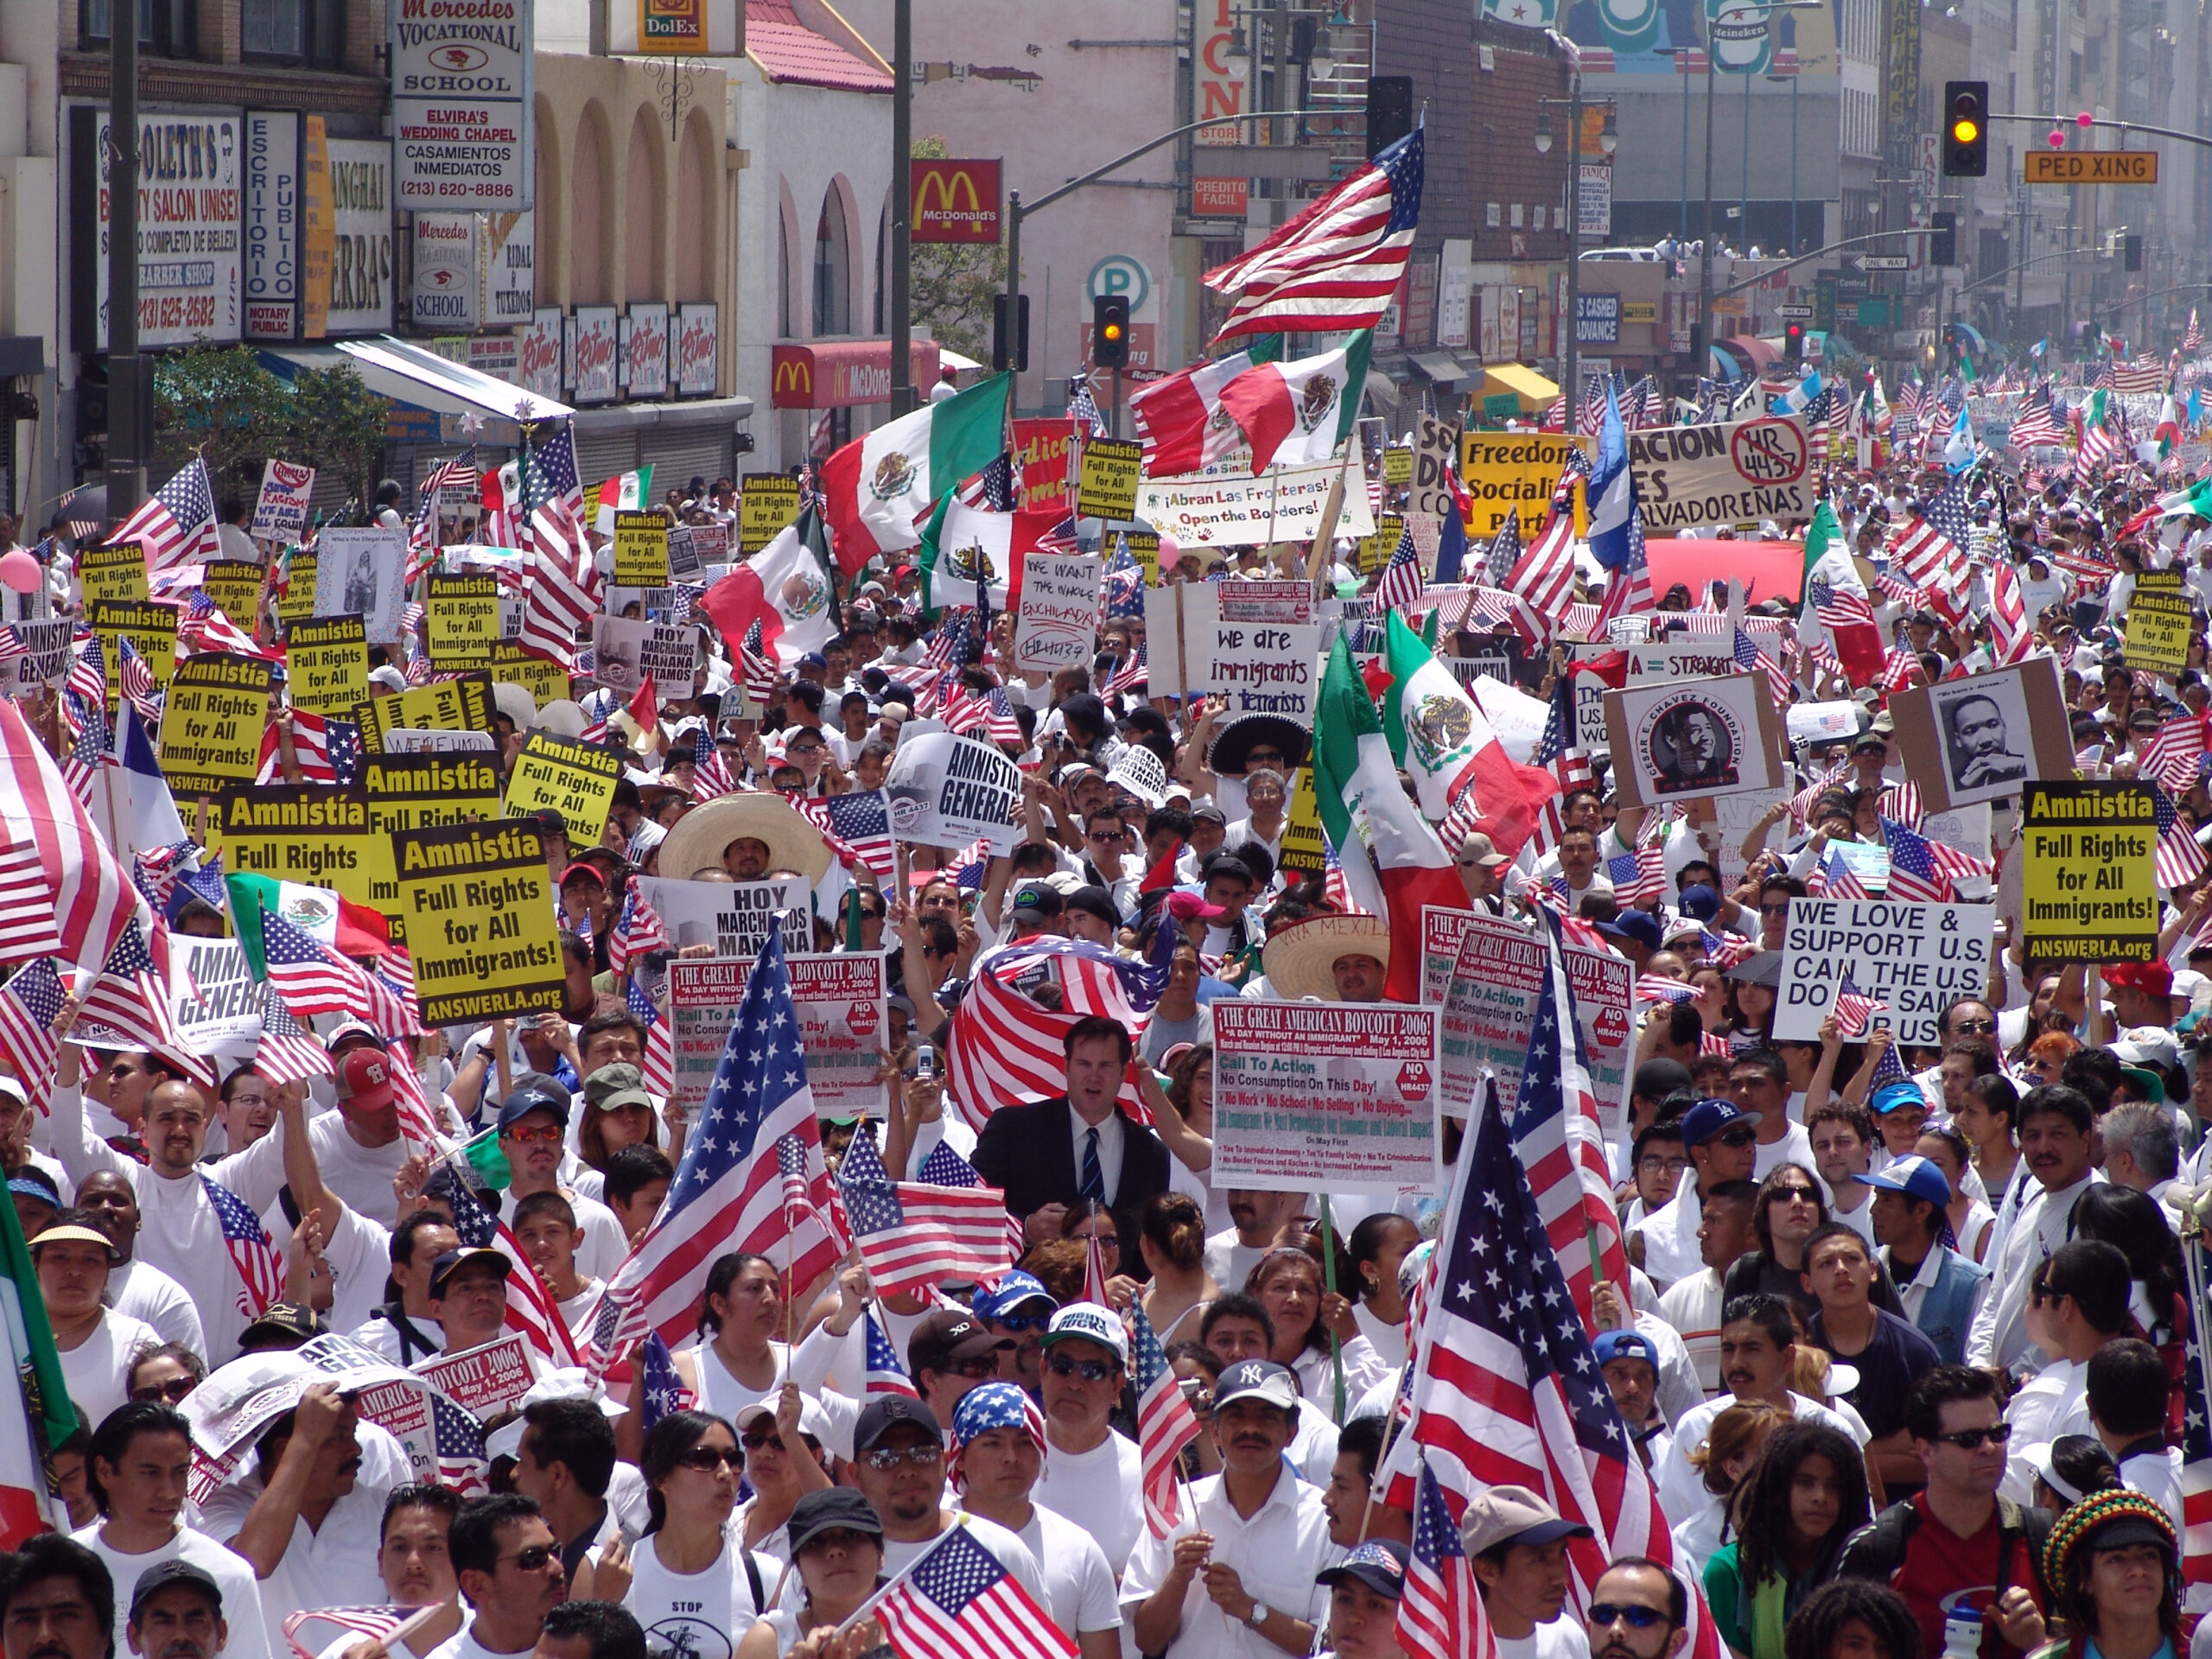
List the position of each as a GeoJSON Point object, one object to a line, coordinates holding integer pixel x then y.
{"type": "Point", "coordinates": [1051, 1155]}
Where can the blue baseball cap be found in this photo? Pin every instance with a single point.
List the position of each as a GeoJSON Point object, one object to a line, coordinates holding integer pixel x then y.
{"type": "Point", "coordinates": [1710, 1116]}
{"type": "Point", "coordinates": [1011, 1293]}
{"type": "Point", "coordinates": [1610, 1345]}
{"type": "Point", "coordinates": [1638, 925]}
{"type": "Point", "coordinates": [1891, 1095]}
{"type": "Point", "coordinates": [1701, 901]}
{"type": "Point", "coordinates": [1915, 1177]}
{"type": "Point", "coordinates": [1380, 1564]}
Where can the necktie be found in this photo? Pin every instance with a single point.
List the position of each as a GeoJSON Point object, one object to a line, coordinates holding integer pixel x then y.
{"type": "Point", "coordinates": [1094, 1179]}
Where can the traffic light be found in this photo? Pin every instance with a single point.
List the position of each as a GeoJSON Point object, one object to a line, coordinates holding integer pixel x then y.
{"type": "Point", "coordinates": [1943, 240]}
{"type": "Point", "coordinates": [1965, 129]}
{"type": "Point", "coordinates": [1793, 343]}
{"type": "Point", "coordinates": [1389, 110]}
{"type": "Point", "coordinates": [2131, 253]}
{"type": "Point", "coordinates": [1009, 353]}
{"type": "Point", "coordinates": [1109, 332]}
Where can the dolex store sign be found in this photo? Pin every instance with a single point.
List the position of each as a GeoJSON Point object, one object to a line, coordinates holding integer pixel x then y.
{"type": "Point", "coordinates": [955, 201]}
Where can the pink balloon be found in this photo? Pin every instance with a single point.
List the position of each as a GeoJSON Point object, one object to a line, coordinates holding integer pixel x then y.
{"type": "Point", "coordinates": [1170, 550]}
{"type": "Point", "coordinates": [20, 572]}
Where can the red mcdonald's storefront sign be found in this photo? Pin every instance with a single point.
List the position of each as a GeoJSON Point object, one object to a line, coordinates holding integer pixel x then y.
{"type": "Point", "coordinates": [955, 201]}
{"type": "Point", "coordinates": [833, 374]}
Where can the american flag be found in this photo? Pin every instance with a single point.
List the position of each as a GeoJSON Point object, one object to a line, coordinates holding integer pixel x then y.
{"type": "Point", "coordinates": [1131, 674]}
{"type": "Point", "coordinates": [637, 932]}
{"type": "Point", "coordinates": [959, 1602]}
{"type": "Point", "coordinates": [884, 1374]}
{"type": "Point", "coordinates": [658, 1069]}
{"type": "Point", "coordinates": [1401, 586]}
{"type": "Point", "coordinates": [2180, 858]}
{"type": "Point", "coordinates": [377, 1624]}
{"type": "Point", "coordinates": [1338, 263]}
{"type": "Point", "coordinates": [1657, 987]}
{"type": "Point", "coordinates": [530, 1307]}
{"type": "Point", "coordinates": [1545, 575]}
{"type": "Point", "coordinates": [663, 1383]}
{"type": "Point", "coordinates": [1505, 551]}
{"type": "Point", "coordinates": [1082, 408]}
{"type": "Point", "coordinates": [1440, 1615]}
{"type": "Point", "coordinates": [861, 819]}
{"type": "Point", "coordinates": [310, 749]}
{"type": "Point", "coordinates": [130, 995]}
{"type": "Point", "coordinates": [945, 1167]}
{"type": "Point", "coordinates": [911, 1235]}
{"type": "Point", "coordinates": [1165, 1423]}
{"type": "Point", "coordinates": [2034, 427]}
{"type": "Point", "coordinates": [759, 669]}
{"type": "Point", "coordinates": [999, 722]}
{"type": "Point", "coordinates": [29, 1004]}
{"type": "Point", "coordinates": [1835, 878]}
{"type": "Point", "coordinates": [2172, 753]}
{"type": "Point", "coordinates": [459, 1444]}
{"type": "Point", "coordinates": [559, 584]}
{"type": "Point", "coordinates": [312, 978]}
{"type": "Point", "coordinates": [1638, 875]}
{"type": "Point", "coordinates": [1838, 607]}
{"type": "Point", "coordinates": [2196, 1428]}
{"type": "Point", "coordinates": [84, 711]}
{"type": "Point", "coordinates": [727, 1194]}
{"type": "Point", "coordinates": [2094, 446]}
{"type": "Point", "coordinates": [261, 1274]}
{"type": "Point", "coordinates": [2192, 337]}
{"type": "Point", "coordinates": [135, 681]}
{"type": "Point", "coordinates": [1925, 553]}
{"type": "Point", "coordinates": [1754, 660]}
{"type": "Point", "coordinates": [176, 523]}
{"type": "Point", "coordinates": [1921, 870]}
{"type": "Point", "coordinates": [1854, 1009]}
{"type": "Point", "coordinates": [710, 776]}
{"type": "Point", "coordinates": [2010, 632]}
{"type": "Point", "coordinates": [953, 645]}
{"type": "Point", "coordinates": [1003, 1048]}
{"type": "Point", "coordinates": [287, 1050]}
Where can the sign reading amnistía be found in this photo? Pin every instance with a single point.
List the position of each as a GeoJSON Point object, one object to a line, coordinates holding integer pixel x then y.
{"type": "Point", "coordinates": [479, 905]}
{"type": "Point", "coordinates": [1340, 1095]}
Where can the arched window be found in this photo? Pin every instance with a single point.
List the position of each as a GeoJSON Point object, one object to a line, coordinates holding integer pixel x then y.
{"type": "Point", "coordinates": [832, 270]}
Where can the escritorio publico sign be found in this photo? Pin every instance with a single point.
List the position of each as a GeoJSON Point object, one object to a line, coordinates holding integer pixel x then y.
{"type": "Point", "coordinates": [462, 84]}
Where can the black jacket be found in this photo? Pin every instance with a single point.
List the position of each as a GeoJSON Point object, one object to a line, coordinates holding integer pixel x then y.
{"type": "Point", "coordinates": [1030, 1152]}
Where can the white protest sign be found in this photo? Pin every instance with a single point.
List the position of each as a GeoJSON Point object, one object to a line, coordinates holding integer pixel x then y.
{"type": "Point", "coordinates": [1490, 1008]}
{"type": "Point", "coordinates": [1056, 620]}
{"type": "Point", "coordinates": [1915, 957]}
{"type": "Point", "coordinates": [48, 649]}
{"type": "Point", "coordinates": [1733, 474]}
{"type": "Point", "coordinates": [733, 917]}
{"type": "Point", "coordinates": [416, 739]}
{"type": "Point", "coordinates": [1441, 930]}
{"type": "Point", "coordinates": [217, 1003]}
{"type": "Point", "coordinates": [1332, 1094]}
{"type": "Point", "coordinates": [1733, 818]}
{"type": "Point", "coordinates": [1284, 503]}
{"type": "Point", "coordinates": [1966, 830]}
{"type": "Point", "coordinates": [1602, 982]}
{"type": "Point", "coordinates": [1258, 649]}
{"type": "Point", "coordinates": [281, 510]}
{"type": "Point", "coordinates": [624, 652]}
{"type": "Point", "coordinates": [1821, 723]}
{"type": "Point", "coordinates": [360, 571]}
{"type": "Point", "coordinates": [483, 1381]}
{"type": "Point", "coordinates": [946, 790]}
{"type": "Point", "coordinates": [839, 1001]}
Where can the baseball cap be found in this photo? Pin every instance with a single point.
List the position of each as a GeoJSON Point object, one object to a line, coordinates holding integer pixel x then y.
{"type": "Point", "coordinates": [1761, 968]}
{"type": "Point", "coordinates": [1701, 901]}
{"type": "Point", "coordinates": [1514, 1514]}
{"type": "Point", "coordinates": [1891, 1097]}
{"type": "Point", "coordinates": [1915, 1177]}
{"type": "Point", "coordinates": [1610, 1345]}
{"type": "Point", "coordinates": [365, 1079]}
{"type": "Point", "coordinates": [1478, 848]}
{"type": "Point", "coordinates": [1257, 1379]}
{"type": "Point", "coordinates": [1093, 1324]}
{"type": "Point", "coordinates": [948, 1335]}
{"type": "Point", "coordinates": [1636, 925]}
{"type": "Point", "coordinates": [812, 1418]}
{"type": "Point", "coordinates": [877, 1418]}
{"type": "Point", "coordinates": [2153, 977]}
{"type": "Point", "coordinates": [533, 1092]}
{"type": "Point", "coordinates": [1010, 1293]}
{"type": "Point", "coordinates": [1710, 1116]}
{"type": "Point", "coordinates": [1380, 1564]}
{"type": "Point", "coordinates": [451, 1261]}
{"type": "Point", "coordinates": [589, 872]}
{"type": "Point", "coordinates": [830, 1509]}
{"type": "Point", "coordinates": [617, 1085]}
{"type": "Point", "coordinates": [293, 1322]}
{"type": "Point", "coordinates": [347, 1030]}
{"type": "Point", "coordinates": [1209, 812]}
{"type": "Point", "coordinates": [160, 1576]}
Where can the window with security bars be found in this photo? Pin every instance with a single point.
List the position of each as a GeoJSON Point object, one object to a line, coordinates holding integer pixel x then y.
{"type": "Point", "coordinates": [167, 28]}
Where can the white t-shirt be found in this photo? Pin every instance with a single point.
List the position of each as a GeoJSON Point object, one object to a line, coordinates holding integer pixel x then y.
{"type": "Point", "coordinates": [1012, 1553]}
{"type": "Point", "coordinates": [1081, 1592]}
{"type": "Point", "coordinates": [232, 1574]}
{"type": "Point", "coordinates": [1563, 1638]}
{"type": "Point", "coordinates": [94, 1369]}
{"type": "Point", "coordinates": [605, 1242]}
{"type": "Point", "coordinates": [462, 1644]}
{"type": "Point", "coordinates": [1102, 1490]}
{"type": "Point", "coordinates": [696, 1614]}
{"type": "Point", "coordinates": [148, 1294]}
{"type": "Point", "coordinates": [360, 1175]}
{"type": "Point", "coordinates": [359, 1253]}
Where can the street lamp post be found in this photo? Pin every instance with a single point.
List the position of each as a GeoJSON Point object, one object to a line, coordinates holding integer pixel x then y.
{"type": "Point", "coordinates": [1570, 354]}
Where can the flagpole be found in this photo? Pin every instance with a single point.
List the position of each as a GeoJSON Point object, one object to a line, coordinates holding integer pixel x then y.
{"type": "Point", "coordinates": [1329, 1283]}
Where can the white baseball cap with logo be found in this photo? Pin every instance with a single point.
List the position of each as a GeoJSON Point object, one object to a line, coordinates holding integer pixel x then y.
{"type": "Point", "coordinates": [1093, 1324]}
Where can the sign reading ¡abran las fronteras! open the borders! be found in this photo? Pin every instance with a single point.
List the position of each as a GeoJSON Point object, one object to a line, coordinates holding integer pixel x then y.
{"type": "Point", "coordinates": [2089, 879]}
{"type": "Point", "coordinates": [1736, 472]}
{"type": "Point", "coordinates": [479, 905]}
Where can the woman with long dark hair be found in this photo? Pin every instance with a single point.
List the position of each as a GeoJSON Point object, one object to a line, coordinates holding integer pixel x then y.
{"type": "Point", "coordinates": [740, 1358]}
{"type": "Point", "coordinates": [1367, 1272]}
{"type": "Point", "coordinates": [1805, 1494]}
{"type": "Point", "coordinates": [1788, 1211]}
{"type": "Point", "coordinates": [2115, 1577]}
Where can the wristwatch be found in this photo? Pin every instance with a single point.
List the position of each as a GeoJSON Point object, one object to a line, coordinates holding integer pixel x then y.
{"type": "Point", "coordinates": [1258, 1616]}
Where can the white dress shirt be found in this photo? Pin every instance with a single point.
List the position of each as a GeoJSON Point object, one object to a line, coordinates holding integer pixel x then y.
{"type": "Point", "coordinates": [1109, 1150]}
{"type": "Point", "coordinates": [1999, 1336]}
{"type": "Point", "coordinates": [1275, 1555]}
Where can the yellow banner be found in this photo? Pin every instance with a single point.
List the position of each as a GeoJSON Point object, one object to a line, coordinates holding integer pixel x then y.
{"type": "Point", "coordinates": [640, 550]}
{"type": "Point", "coordinates": [328, 657]}
{"type": "Point", "coordinates": [770, 502]}
{"type": "Point", "coordinates": [477, 900]}
{"type": "Point", "coordinates": [1511, 472]}
{"type": "Point", "coordinates": [420, 791]}
{"type": "Point", "coordinates": [544, 679]}
{"type": "Point", "coordinates": [573, 779]}
{"type": "Point", "coordinates": [311, 833]}
{"type": "Point", "coordinates": [1302, 848]}
{"type": "Point", "coordinates": [211, 726]}
{"type": "Point", "coordinates": [114, 571]}
{"type": "Point", "coordinates": [1397, 467]}
{"type": "Point", "coordinates": [461, 705]}
{"type": "Point", "coordinates": [235, 586]}
{"type": "Point", "coordinates": [1106, 486]}
{"type": "Point", "coordinates": [297, 603]}
{"type": "Point", "coordinates": [1374, 550]}
{"type": "Point", "coordinates": [461, 615]}
{"type": "Point", "coordinates": [2088, 885]}
{"type": "Point", "coordinates": [152, 629]}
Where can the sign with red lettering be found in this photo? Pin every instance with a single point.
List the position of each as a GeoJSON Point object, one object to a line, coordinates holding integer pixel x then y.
{"type": "Point", "coordinates": [191, 277]}
{"type": "Point", "coordinates": [462, 79]}
{"type": "Point", "coordinates": [592, 374]}
{"type": "Point", "coordinates": [1335, 1094]}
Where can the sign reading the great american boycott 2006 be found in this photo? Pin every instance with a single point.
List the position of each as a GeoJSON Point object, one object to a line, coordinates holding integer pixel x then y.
{"type": "Point", "coordinates": [2088, 873]}
{"type": "Point", "coordinates": [1736, 471]}
{"type": "Point", "coordinates": [1916, 958]}
{"type": "Point", "coordinates": [839, 1001]}
{"type": "Point", "coordinates": [1490, 1006]}
{"type": "Point", "coordinates": [1335, 1094]}
{"type": "Point", "coordinates": [479, 905]}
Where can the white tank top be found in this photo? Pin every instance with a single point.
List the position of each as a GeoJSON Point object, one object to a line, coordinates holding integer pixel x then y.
{"type": "Point", "coordinates": [722, 1394]}
{"type": "Point", "coordinates": [690, 1615]}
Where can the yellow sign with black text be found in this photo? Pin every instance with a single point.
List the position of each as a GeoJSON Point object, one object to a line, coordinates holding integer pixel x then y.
{"type": "Point", "coordinates": [770, 502]}
{"type": "Point", "coordinates": [478, 902]}
{"type": "Point", "coordinates": [235, 586]}
{"type": "Point", "coordinates": [328, 657]}
{"type": "Point", "coordinates": [152, 629]}
{"type": "Point", "coordinates": [421, 792]}
{"type": "Point", "coordinates": [296, 602]}
{"type": "Point", "coordinates": [461, 620]}
{"type": "Point", "coordinates": [2088, 881]}
{"type": "Point", "coordinates": [310, 833]}
{"type": "Point", "coordinates": [573, 778]}
{"type": "Point", "coordinates": [211, 725]}
{"type": "Point", "coordinates": [1512, 471]}
{"type": "Point", "coordinates": [2090, 167]}
{"type": "Point", "coordinates": [640, 550]}
{"type": "Point", "coordinates": [544, 679]}
{"type": "Point", "coordinates": [117, 570]}
{"type": "Point", "coordinates": [459, 705]}
{"type": "Point", "coordinates": [1107, 486]}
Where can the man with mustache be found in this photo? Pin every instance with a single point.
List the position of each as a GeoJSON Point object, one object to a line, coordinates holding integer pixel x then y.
{"type": "Point", "coordinates": [176, 1612]}
{"type": "Point", "coordinates": [56, 1601]}
{"type": "Point", "coordinates": [1638, 1610]}
{"type": "Point", "coordinates": [2056, 1141]}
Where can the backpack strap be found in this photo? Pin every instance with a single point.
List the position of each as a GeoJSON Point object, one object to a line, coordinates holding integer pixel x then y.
{"type": "Point", "coordinates": [753, 1579]}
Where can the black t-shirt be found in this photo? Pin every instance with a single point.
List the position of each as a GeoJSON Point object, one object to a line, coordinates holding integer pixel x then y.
{"type": "Point", "coordinates": [1888, 1366]}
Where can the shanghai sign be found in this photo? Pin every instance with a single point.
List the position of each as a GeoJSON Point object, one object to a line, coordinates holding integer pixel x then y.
{"type": "Point", "coordinates": [955, 201]}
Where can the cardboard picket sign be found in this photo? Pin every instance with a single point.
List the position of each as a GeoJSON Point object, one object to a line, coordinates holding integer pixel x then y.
{"type": "Point", "coordinates": [1986, 736]}
{"type": "Point", "coordinates": [1687, 740]}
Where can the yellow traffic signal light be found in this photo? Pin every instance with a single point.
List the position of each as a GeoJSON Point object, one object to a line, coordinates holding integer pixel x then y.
{"type": "Point", "coordinates": [1965, 129]}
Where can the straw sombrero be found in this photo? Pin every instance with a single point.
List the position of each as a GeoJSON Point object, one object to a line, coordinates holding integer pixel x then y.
{"type": "Point", "coordinates": [1234, 740]}
{"type": "Point", "coordinates": [1300, 959]}
{"type": "Point", "coordinates": [700, 835]}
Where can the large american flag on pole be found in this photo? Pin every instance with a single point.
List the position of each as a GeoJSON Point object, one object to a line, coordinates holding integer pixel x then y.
{"type": "Point", "coordinates": [1440, 1615]}
{"type": "Point", "coordinates": [1003, 1047]}
{"type": "Point", "coordinates": [176, 523]}
{"type": "Point", "coordinates": [90, 891]}
{"type": "Point", "coordinates": [1165, 1423]}
{"type": "Point", "coordinates": [530, 1307]}
{"type": "Point", "coordinates": [911, 1235]}
{"type": "Point", "coordinates": [261, 1274]}
{"type": "Point", "coordinates": [2196, 1430]}
{"type": "Point", "coordinates": [1338, 263]}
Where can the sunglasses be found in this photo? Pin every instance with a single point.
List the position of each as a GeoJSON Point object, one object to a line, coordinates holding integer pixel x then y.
{"type": "Point", "coordinates": [1800, 1194]}
{"type": "Point", "coordinates": [1603, 1613]}
{"type": "Point", "coordinates": [533, 1559]}
{"type": "Point", "coordinates": [1022, 1323]}
{"type": "Point", "coordinates": [1090, 1370]}
{"type": "Point", "coordinates": [549, 1136]}
{"type": "Point", "coordinates": [707, 1458]}
{"type": "Point", "coordinates": [884, 1458]}
{"type": "Point", "coordinates": [1968, 1440]}
{"type": "Point", "coordinates": [1782, 909]}
{"type": "Point", "coordinates": [173, 1390]}
{"type": "Point", "coordinates": [758, 1438]}
{"type": "Point", "coordinates": [1739, 1139]}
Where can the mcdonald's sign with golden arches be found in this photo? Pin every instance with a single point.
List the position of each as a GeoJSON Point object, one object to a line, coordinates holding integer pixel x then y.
{"type": "Point", "coordinates": [955, 201]}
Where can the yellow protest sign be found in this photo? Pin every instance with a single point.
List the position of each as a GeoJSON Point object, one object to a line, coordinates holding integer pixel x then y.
{"type": "Point", "coordinates": [461, 705]}
{"type": "Point", "coordinates": [1397, 467]}
{"type": "Point", "coordinates": [2156, 630]}
{"type": "Point", "coordinates": [2088, 884]}
{"type": "Point", "coordinates": [461, 615]}
{"type": "Point", "coordinates": [211, 726]}
{"type": "Point", "coordinates": [297, 603]}
{"type": "Point", "coordinates": [328, 657]}
{"type": "Point", "coordinates": [117, 570]}
{"type": "Point", "coordinates": [1511, 472]}
{"type": "Point", "coordinates": [310, 833]}
{"type": "Point", "coordinates": [419, 792]}
{"type": "Point", "coordinates": [1302, 848]}
{"type": "Point", "coordinates": [152, 629]}
{"type": "Point", "coordinates": [573, 778]}
{"type": "Point", "coordinates": [235, 586]}
{"type": "Point", "coordinates": [544, 679]}
{"type": "Point", "coordinates": [640, 550]}
{"type": "Point", "coordinates": [770, 502]}
{"type": "Point", "coordinates": [1144, 547]}
{"type": "Point", "coordinates": [1107, 487]}
{"type": "Point", "coordinates": [1374, 550]}
{"type": "Point", "coordinates": [478, 902]}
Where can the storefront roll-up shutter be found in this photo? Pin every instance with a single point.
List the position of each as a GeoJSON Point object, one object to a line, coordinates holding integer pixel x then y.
{"type": "Point", "coordinates": [602, 456]}
{"type": "Point", "coordinates": [680, 454]}
{"type": "Point", "coordinates": [421, 462]}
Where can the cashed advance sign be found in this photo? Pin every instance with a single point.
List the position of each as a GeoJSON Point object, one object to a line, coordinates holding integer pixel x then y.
{"type": "Point", "coordinates": [2088, 884]}
{"type": "Point", "coordinates": [479, 904]}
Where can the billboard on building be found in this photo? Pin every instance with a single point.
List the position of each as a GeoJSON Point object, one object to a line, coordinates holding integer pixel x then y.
{"type": "Point", "coordinates": [461, 83]}
{"type": "Point", "coordinates": [191, 264]}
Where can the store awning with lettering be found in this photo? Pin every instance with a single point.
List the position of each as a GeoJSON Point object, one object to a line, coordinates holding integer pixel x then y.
{"type": "Point", "coordinates": [835, 373]}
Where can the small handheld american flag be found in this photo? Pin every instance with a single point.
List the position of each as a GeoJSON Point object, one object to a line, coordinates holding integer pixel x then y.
{"type": "Point", "coordinates": [959, 1602]}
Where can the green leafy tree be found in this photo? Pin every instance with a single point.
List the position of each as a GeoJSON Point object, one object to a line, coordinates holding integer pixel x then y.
{"type": "Point", "coordinates": [336, 425]}
{"type": "Point", "coordinates": [950, 283]}
{"type": "Point", "coordinates": [218, 402]}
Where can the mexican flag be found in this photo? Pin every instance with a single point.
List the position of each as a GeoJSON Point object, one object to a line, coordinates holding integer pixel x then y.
{"type": "Point", "coordinates": [631, 492]}
{"type": "Point", "coordinates": [2197, 498]}
{"type": "Point", "coordinates": [38, 1416]}
{"type": "Point", "coordinates": [964, 548]}
{"type": "Point", "coordinates": [789, 587]}
{"type": "Point", "coordinates": [352, 929]}
{"type": "Point", "coordinates": [1302, 410]}
{"type": "Point", "coordinates": [879, 485]}
{"type": "Point", "coordinates": [1366, 816]}
{"type": "Point", "coordinates": [1828, 565]}
{"type": "Point", "coordinates": [1179, 418]}
{"type": "Point", "coordinates": [1443, 739]}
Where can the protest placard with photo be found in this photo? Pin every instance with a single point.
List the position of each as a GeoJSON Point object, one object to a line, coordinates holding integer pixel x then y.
{"type": "Point", "coordinates": [1983, 737]}
{"type": "Point", "coordinates": [1683, 739]}
{"type": "Point", "coordinates": [360, 571]}
{"type": "Point", "coordinates": [624, 652]}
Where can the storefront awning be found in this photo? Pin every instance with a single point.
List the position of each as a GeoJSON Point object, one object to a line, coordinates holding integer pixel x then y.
{"type": "Point", "coordinates": [1500, 379]}
{"type": "Point", "coordinates": [441, 377]}
{"type": "Point", "coordinates": [1440, 367]}
{"type": "Point", "coordinates": [836, 373]}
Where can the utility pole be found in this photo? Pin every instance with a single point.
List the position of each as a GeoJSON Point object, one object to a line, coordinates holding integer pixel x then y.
{"type": "Point", "coordinates": [902, 205]}
{"type": "Point", "coordinates": [126, 466]}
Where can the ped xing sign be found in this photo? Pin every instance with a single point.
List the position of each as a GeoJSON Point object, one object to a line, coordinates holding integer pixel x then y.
{"type": "Point", "coordinates": [955, 201]}
{"type": "Point", "coordinates": [2090, 167]}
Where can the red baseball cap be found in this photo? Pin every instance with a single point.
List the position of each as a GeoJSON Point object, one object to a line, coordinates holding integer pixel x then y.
{"type": "Point", "coordinates": [2152, 978]}
{"type": "Point", "coordinates": [365, 1079]}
